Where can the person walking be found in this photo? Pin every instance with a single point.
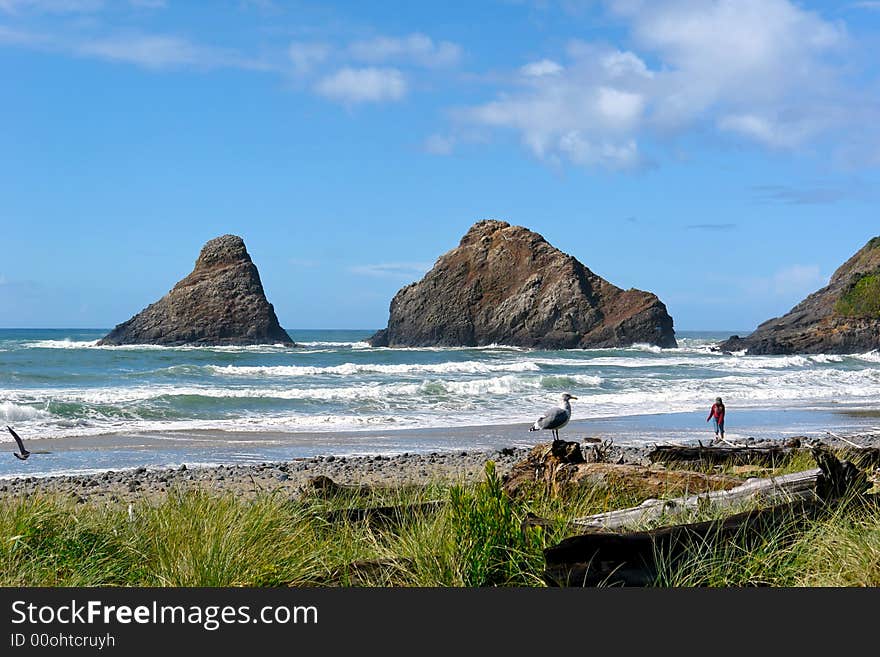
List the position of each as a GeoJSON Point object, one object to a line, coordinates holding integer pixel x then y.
{"type": "Point", "coordinates": [717, 413]}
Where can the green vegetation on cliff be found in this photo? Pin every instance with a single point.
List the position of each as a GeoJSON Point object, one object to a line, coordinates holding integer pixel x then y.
{"type": "Point", "coordinates": [862, 299]}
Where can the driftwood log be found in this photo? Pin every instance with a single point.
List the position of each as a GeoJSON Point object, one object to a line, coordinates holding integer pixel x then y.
{"type": "Point", "coordinates": [828, 481]}
{"type": "Point", "coordinates": [376, 572]}
{"type": "Point", "coordinates": [599, 556]}
{"type": "Point", "coordinates": [561, 466]}
{"type": "Point", "coordinates": [635, 558]}
{"type": "Point", "coordinates": [322, 486]}
{"type": "Point", "coordinates": [381, 516]}
{"type": "Point", "coordinates": [771, 456]}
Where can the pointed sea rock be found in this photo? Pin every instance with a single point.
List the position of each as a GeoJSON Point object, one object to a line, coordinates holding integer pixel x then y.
{"type": "Point", "coordinates": [506, 285]}
{"type": "Point", "coordinates": [843, 317]}
{"type": "Point", "coordinates": [221, 302]}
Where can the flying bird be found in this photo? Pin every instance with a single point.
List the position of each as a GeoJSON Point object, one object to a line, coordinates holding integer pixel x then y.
{"type": "Point", "coordinates": [22, 454]}
{"type": "Point", "coordinates": [555, 418]}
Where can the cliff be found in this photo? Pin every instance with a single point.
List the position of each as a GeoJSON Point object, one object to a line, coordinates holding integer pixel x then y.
{"type": "Point", "coordinates": [221, 302]}
{"type": "Point", "coordinates": [842, 317]}
{"type": "Point", "coordinates": [507, 285]}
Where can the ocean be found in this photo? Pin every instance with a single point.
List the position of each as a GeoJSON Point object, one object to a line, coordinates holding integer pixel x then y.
{"type": "Point", "coordinates": [94, 408]}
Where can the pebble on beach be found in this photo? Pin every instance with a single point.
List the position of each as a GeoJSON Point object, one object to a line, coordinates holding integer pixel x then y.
{"type": "Point", "coordinates": [290, 477]}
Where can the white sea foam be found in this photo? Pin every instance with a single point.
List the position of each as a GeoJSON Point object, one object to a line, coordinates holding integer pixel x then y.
{"type": "Point", "coordinates": [716, 361]}
{"type": "Point", "coordinates": [487, 348]}
{"type": "Point", "coordinates": [654, 349]}
{"type": "Point", "coordinates": [871, 357]}
{"type": "Point", "coordinates": [171, 430]}
{"type": "Point", "coordinates": [186, 388]}
{"type": "Point", "coordinates": [403, 392]}
{"type": "Point", "coordinates": [347, 369]}
{"type": "Point", "coordinates": [93, 344]}
{"type": "Point", "coordinates": [759, 378]}
{"type": "Point", "coordinates": [61, 344]}
{"type": "Point", "coordinates": [16, 412]}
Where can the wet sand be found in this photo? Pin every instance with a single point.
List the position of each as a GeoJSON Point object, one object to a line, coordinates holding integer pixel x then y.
{"type": "Point", "coordinates": [158, 450]}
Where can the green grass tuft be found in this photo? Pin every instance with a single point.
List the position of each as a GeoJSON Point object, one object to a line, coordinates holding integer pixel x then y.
{"type": "Point", "coordinates": [493, 547]}
{"type": "Point", "coordinates": [862, 298]}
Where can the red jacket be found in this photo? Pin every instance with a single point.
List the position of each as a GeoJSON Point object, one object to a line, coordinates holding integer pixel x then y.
{"type": "Point", "coordinates": [717, 412]}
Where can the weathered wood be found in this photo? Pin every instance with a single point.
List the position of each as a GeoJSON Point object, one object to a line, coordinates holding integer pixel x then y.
{"type": "Point", "coordinates": [635, 558]}
{"type": "Point", "coordinates": [632, 558]}
{"type": "Point", "coordinates": [384, 515]}
{"type": "Point", "coordinates": [598, 556]}
{"type": "Point", "coordinates": [773, 490]}
{"type": "Point", "coordinates": [831, 479]}
{"type": "Point", "coordinates": [322, 486]}
{"type": "Point", "coordinates": [771, 456]}
{"type": "Point", "coordinates": [562, 466]}
{"type": "Point", "coordinates": [374, 572]}
{"type": "Point", "coordinates": [846, 440]}
{"type": "Point", "coordinates": [864, 457]}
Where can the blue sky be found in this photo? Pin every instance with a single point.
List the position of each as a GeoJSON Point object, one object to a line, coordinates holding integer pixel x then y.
{"type": "Point", "coordinates": [722, 154]}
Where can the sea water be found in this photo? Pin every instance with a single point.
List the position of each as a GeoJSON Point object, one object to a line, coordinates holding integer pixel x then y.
{"type": "Point", "coordinates": [335, 393]}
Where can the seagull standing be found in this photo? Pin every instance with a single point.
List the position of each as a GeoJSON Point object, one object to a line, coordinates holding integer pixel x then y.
{"type": "Point", "coordinates": [555, 418]}
{"type": "Point", "coordinates": [23, 452]}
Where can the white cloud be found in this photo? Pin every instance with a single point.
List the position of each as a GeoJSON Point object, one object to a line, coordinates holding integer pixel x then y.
{"type": "Point", "coordinates": [392, 269]}
{"type": "Point", "coordinates": [771, 131]}
{"type": "Point", "coordinates": [11, 37]}
{"type": "Point", "coordinates": [791, 283]}
{"type": "Point", "coordinates": [439, 145]}
{"type": "Point", "coordinates": [150, 51]}
{"type": "Point", "coordinates": [581, 114]}
{"type": "Point", "coordinates": [154, 51]}
{"type": "Point", "coordinates": [541, 68]}
{"type": "Point", "coordinates": [619, 107]}
{"type": "Point", "coordinates": [414, 48]}
{"type": "Point", "coordinates": [621, 64]}
{"type": "Point", "coordinates": [610, 155]}
{"type": "Point", "coordinates": [306, 56]}
{"type": "Point", "coordinates": [754, 58]}
{"type": "Point", "coordinates": [363, 85]}
{"type": "Point", "coordinates": [797, 280]}
{"type": "Point", "coordinates": [756, 70]}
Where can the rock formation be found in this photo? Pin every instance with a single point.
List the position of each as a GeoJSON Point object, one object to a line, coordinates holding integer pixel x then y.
{"type": "Point", "coordinates": [842, 317]}
{"type": "Point", "coordinates": [220, 303]}
{"type": "Point", "coordinates": [506, 285]}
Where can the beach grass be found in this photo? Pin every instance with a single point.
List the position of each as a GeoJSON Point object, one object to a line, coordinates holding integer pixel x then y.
{"type": "Point", "coordinates": [441, 535]}
{"type": "Point", "coordinates": [841, 548]}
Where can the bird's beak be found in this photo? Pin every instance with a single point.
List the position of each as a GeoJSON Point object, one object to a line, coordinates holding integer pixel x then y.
{"type": "Point", "coordinates": [572, 397]}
